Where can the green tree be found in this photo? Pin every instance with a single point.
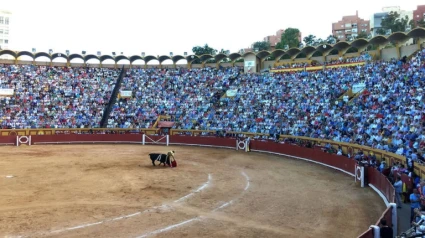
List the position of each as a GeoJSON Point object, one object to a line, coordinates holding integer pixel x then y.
{"type": "Point", "coordinates": [412, 24]}
{"type": "Point", "coordinates": [420, 23]}
{"type": "Point", "coordinates": [348, 38]}
{"type": "Point", "coordinates": [362, 35]}
{"type": "Point", "coordinates": [225, 60]}
{"type": "Point", "coordinates": [279, 46]}
{"type": "Point", "coordinates": [222, 51]}
{"type": "Point", "coordinates": [318, 42]}
{"type": "Point", "coordinates": [289, 38]}
{"type": "Point", "coordinates": [309, 40]}
{"type": "Point", "coordinates": [381, 31]}
{"type": "Point", "coordinates": [331, 40]}
{"type": "Point", "coordinates": [261, 45]}
{"type": "Point", "coordinates": [394, 22]}
{"type": "Point", "coordinates": [204, 50]}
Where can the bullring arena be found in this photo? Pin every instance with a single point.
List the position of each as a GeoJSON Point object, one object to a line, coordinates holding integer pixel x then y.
{"type": "Point", "coordinates": [98, 190]}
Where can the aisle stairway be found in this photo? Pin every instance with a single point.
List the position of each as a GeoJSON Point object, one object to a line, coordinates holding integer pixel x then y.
{"type": "Point", "coordinates": [113, 99]}
{"type": "Point", "coordinates": [219, 95]}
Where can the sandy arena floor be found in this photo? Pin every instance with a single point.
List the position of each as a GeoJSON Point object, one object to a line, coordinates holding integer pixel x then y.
{"type": "Point", "coordinates": [114, 191]}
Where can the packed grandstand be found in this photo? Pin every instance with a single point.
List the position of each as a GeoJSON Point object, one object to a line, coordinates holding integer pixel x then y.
{"type": "Point", "coordinates": [388, 112]}
{"type": "Point", "coordinates": [378, 104]}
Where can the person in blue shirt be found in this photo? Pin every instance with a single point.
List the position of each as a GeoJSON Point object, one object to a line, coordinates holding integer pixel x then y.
{"type": "Point", "coordinates": [415, 202]}
{"type": "Point", "coordinates": [398, 186]}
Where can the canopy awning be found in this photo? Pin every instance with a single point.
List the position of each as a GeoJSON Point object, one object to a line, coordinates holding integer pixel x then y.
{"type": "Point", "coordinates": [165, 124]}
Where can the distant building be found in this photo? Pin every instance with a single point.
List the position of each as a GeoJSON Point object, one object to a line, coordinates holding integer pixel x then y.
{"type": "Point", "coordinates": [403, 13]}
{"type": "Point", "coordinates": [274, 39]}
{"type": "Point", "coordinates": [419, 13]}
{"type": "Point", "coordinates": [376, 19]}
{"type": "Point", "coordinates": [375, 22]}
{"type": "Point", "coordinates": [5, 17]}
{"type": "Point", "coordinates": [350, 26]}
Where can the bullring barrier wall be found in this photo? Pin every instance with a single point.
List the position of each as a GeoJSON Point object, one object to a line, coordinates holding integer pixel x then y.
{"type": "Point", "coordinates": [375, 179]}
{"type": "Point", "coordinates": [389, 157]}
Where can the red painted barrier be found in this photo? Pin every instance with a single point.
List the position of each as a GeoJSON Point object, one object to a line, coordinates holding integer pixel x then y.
{"type": "Point", "coordinates": [205, 141]}
{"type": "Point", "coordinates": [7, 140]}
{"type": "Point", "coordinates": [387, 215]}
{"type": "Point", "coordinates": [367, 234]}
{"type": "Point", "coordinates": [86, 138]}
{"type": "Point", "coordinates": [381, 183]}
{"type": "Point", "coordinates": [317, 155]}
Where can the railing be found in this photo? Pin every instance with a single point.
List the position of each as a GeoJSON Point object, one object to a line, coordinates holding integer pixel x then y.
{"type": "Point", "coordinates": [367, 234]}
{"type": "Point", "coordinates": [381, 183]}
{"type": "Point", "coordinates": [387, 216]}
{"type": "Point", "coordinates": [355, 96]}
{"type": "Point", "coordinates": [320, 67]}
{"type": "Point", "coordinates": [348, 93]}
{"type": "Point", "coordinates": [389, 158]}
{"type": "Point", "coordinates": [208, 138]}
{"type": "Point", "coordinates": [160, 118]}
{"type": "Point", "coordinates": [54, 131]}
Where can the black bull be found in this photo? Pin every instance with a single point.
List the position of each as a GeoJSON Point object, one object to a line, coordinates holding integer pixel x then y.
{"type": "Point", "coordinates": [163, 159]}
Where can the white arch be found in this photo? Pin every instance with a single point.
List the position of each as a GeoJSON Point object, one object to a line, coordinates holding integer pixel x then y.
{"type": "Point", "coordinates": [153, 62]}
{"type": "Point", "coordinates": [138, 62]}
{"type": "Point", "coordinates": [93, 61]}
{"type": "Point", "coordinates": [108, 61]}
{"type": "Point", "coordinates": [42, 59]}
{"type": "Point", "coordinates": [123, 62]}
{"type": "Point", "coordinates": [77, 61]}
{"type": "Point", "coordinates": [167, 63]}
{"type": "Point", "coordinates": [25, 58]}
{"type": "Point", "coordinates": [59, 60]}
{"type": "Point", "coordinates": [181, 62]}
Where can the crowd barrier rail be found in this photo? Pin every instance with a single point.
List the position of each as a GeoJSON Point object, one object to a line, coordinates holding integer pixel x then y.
{"type": "Point", "coordinates": [347, 148]}
{"type": "Point", "coordinates": [313, 154]}
{"type": "Point", "coordinates": [319, 67]}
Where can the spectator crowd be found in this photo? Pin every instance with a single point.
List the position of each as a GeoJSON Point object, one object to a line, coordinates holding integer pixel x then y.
{"type": "Point", "coordinates": [389, 113]}
{"type": "Point", "coordinates": [47, 97]}
{"type": "Point", "coordinates": [185, 94]}
{"type": "Point", "coordinates": [340, 60]}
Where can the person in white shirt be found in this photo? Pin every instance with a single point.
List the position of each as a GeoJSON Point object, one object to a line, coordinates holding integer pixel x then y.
{"type": "Point", "coordinates": [399, 150]}
{"type": "Point", "coordinates": [382, 166]}
{"type": "Point", "coordinates": [419, 224]}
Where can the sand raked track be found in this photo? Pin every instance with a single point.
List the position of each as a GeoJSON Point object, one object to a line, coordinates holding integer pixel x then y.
{"type": "Point", "coordinates": [114, 191]}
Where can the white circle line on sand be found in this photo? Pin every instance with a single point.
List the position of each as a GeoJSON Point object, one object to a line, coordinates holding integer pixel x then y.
{"type": "Point", "coordinates": [199, 189]}
{"type": "Point", "coordinates": [168, 227]}
{"type": "Point", "coordinates": [248, 184]}
{"type": "Point", "coordinates": [198, 217]}
{"type": "Point", "coordinates": [205, 185]}
{"type": "Point", "coordinates": [247, 180]}
{"type": "Point", "coordinates": [105, 221]}
{"type": "Point", "coordinates": [224, 205]}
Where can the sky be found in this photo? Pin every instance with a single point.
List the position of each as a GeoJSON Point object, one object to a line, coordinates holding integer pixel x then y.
{"type": "Point", "coordinates": [163, 26]}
